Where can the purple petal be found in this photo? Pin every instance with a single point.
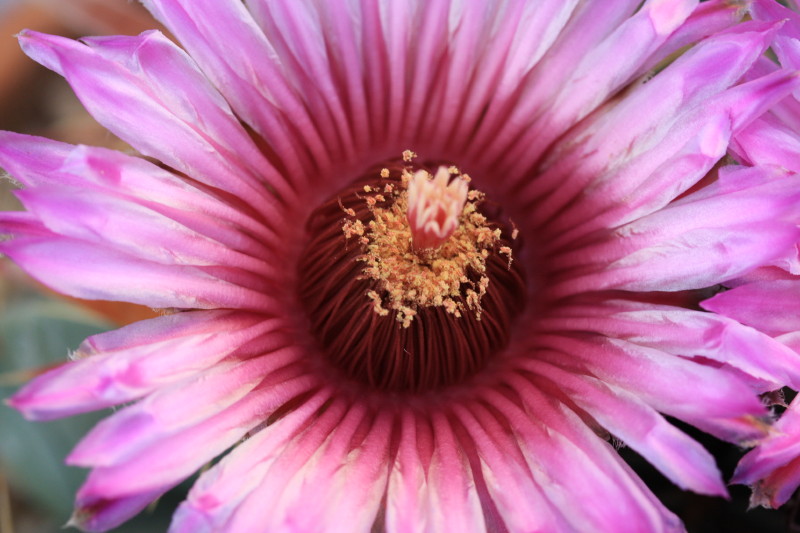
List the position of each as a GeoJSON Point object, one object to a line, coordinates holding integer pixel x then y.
{"type": "Point", "coordinates": [41, 164]}
{"type": "Point", "coordinates": [253, 82]}
{"type": "Point", "coordinates": [155, 451]}
{"type": "Point", "coordinates": [93, 272]}
{"type": "Point", "coordinates": [686, 333]}
{"type": "Point", "coordinates": [679, 457]}
{"type": "Point", "coordinates": [717, 403]}
{"type": "Point", "coordinates": [149, 93]}
{"type": "Point", "coordinates": [124, 365]}
{"type": "Point", "coordinates": [769, 306]}
{"type": "Point", "coordinates": [558, 445]}
{"type": "Point", "coordinates": [220, 490]}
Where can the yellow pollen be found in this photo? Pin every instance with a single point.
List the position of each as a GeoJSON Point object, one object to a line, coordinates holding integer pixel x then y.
{"type": "Point", "coordinates": [451, 274]}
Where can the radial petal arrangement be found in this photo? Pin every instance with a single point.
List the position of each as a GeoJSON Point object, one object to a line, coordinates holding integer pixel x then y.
{"type": "Point", "coordinates": [423, 262]}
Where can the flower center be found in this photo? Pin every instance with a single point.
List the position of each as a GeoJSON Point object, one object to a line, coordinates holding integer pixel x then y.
{"type": "Point", "coordinates": [408, 284]}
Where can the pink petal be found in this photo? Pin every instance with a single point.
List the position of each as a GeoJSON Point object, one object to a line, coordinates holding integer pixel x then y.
{"type": "Point", "coordinates": [679, 457]}
{"type": "Point", "coordinates": [687, 333]}
{"type": "Point", "coordinates": [513, 47]}
{"type": "Point", "coordinates": [572, 464]}
{"type": "Point", "coordinates": [124, 365]}
{"type": "Point", "coordinates": [102, 514]}
{"type": "Point", "coordinates": [93, 272]}
{"type": "Point", "coordinates": [624, 153]}
{"type": "Point", "coordinates": [41, 163]}
{"type": "Point", "coordinates": [708, 18]}
{"type": "Point", "coordinates": [157, 450]}
{"type": "Point", "coordinates": [723, 231]}
{"type": "Point", "coordinates": [220, 490]}
{"type": "Point", "coordinates": [408, 489]}
{"type": "Point", "coordinates": [169, 410]}
{"type": "Point", "coordinates": [280, 466]}
{"type": "Point", "coordinates": [131, 228]}
{"type": "Point", "coordinates": [344, 483]}
{"type": "Point", "coordinates": [770, 306]}
{"type": "Point", "coordinates": [717, 403]}
{"type": "Point", "coordinates": [776, 489]}
{"type": "Point", "coordinates": [596, 74]}
{"type": "Point", "coordinates": [776, 451]}
{"type": "Point", "coordinates": [295, 30]}
{"type": "Point", "coordinates": [522, 504]}
{"type": "Point", "coordinates": [452, 498]}
{"type": "Point", "coordinates": [149, 93]}
{"type": "Point", "coordinates": [254, 82]}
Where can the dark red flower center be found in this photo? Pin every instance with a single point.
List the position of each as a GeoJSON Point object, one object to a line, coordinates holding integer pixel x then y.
{"type": "Point", "coordinates": [408, 280]}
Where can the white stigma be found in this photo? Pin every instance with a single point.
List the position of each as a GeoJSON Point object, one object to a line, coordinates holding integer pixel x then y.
{"type": "Point", "coordinates": [434, 207]}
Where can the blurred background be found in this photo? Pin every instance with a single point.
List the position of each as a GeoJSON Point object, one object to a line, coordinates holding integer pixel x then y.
{"type": "Point", "coordinates": [38, 328]}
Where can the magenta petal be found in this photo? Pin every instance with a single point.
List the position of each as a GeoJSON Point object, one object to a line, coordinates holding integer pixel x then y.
{"type": "Point", "coordinates": [97, 514]}
{"type": "Point", "coordinates": [715, 402]}
{"type": "Point", "coordinates": [687, 333]}
{"type": "Point", "coordinates": [127, 462]}
{"type": "Point", "coordinates": [94, 272]}
{"type": "Point", "coordinates": [675, 454]}
{"type": "Point", "coordinates": [219, 492]}
{"type": "Point", "coordinates": [124, 365]}
{"type": "Point", "coordinates": [122, 81]}
{"type": "Point", "coordinates": [770, 306]}
{"type": "Point", "coordinates": [252, 82]}
{"type": "Point", "coordinates": [558, 445]}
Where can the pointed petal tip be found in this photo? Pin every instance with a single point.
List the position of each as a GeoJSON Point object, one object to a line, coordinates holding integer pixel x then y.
{"type": "Point", "coordinates": [19, 403]}
{"type": "Point", "coordinates": [34, 37]}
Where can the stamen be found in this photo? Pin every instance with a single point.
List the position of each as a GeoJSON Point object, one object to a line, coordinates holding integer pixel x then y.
{"type": "Point", "coordinates": [443, 263]}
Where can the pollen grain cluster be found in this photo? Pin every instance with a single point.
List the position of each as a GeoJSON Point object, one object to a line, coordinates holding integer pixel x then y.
{"type": "Point", "coordinates": [451, 276]}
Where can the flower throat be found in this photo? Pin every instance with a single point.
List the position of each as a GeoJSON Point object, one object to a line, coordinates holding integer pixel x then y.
{"type": "Point", "coordinates": [408, 283]}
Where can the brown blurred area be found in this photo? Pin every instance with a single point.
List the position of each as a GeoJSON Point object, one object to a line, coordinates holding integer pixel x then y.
{"type": "Point", "coordinates": [36, 101]}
